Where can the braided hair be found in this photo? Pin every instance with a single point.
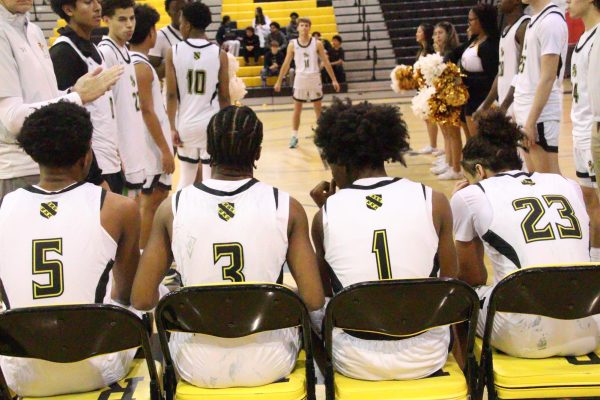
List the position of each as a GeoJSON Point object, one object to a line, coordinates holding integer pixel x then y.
{"type": "Point", "coordinates": [234, 137]}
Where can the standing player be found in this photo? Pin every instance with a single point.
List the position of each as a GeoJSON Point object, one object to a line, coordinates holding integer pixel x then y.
{"type": "Point", "coordinates": [167, 36]}
{"type": "Point", "coordinates": [306, 52]}
{"type": "Point", "coordinates": [520, 220]}
{"type": "Point", "coordinates": [511, 44]}
{"type": "Point", "coordinates": [581, 114]}
{"type": "Point", "coordinates": [352, 230]}
{"type": "Point", "coordinates": [74, 55]}
{"type": "Point", "coordinates": [197, 86]}
{"type": "Point", "coordinates": [120, 18]}
{"type": "Point", "coordinates": [160, 163]}
{"type": "Point", "coordinates": [64, 241]}
{"type": "Point", "coordinates": [217, 231]}
{"type": "Point", "coordinates": [538, 84]}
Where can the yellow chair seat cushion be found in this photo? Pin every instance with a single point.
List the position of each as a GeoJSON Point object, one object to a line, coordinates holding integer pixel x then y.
{"type": "Point", "coordinates": [294, 388]}
{"type": "Point", "coordinates": [139, 369]}
{"type": "Point", "coordinates": [546, 377]}
{"type": "Point", "coordinates": [450, 385]}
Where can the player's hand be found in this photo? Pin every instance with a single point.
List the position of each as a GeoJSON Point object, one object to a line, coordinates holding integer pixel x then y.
{"type": "Point", "coordinates": [336, 86]}
{"type": "Point", "coordinates": [322, 191]}
{"type": "Point", "coordinates": [277, 87]}
{"type": "Point", "coordinates": [176, 139]}
{"type": "Point", "coordinates": [459, 186]}
{"type": "Point", "coordinates": [530, 131]}
{"type": "Point", "coordinates": [94, 84]}
{"type": "Point", "coordinates": [168, 162]}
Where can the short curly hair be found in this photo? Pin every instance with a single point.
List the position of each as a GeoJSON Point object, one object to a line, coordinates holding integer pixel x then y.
{"type": "Point", "coordinates": [146, 17]}
{"type": "Point", "coordinates": [57, 7]}
{"type": "Point", "coordinates": [197, 14]}
{"type": "Point", "coordinates": [363, 135]}
{"type": "Point", "coordinates": [57, 135]}
{"type": "Point", "coordinates": [110, 7]}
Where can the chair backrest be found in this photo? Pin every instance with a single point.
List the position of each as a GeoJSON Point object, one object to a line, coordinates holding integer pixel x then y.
{"type": "Point", "coordinates": [565, 292]}
{"type": "Point", "coordinates": [232, 311]}
{"type": "Point", "coordinates": [65, 334]}
{"type": "Point", "coordinates": [402, 307]}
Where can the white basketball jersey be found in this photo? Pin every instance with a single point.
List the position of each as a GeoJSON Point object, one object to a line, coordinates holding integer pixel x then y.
{"type": "Point", "coordinates": [306, 57]}
{"type": "Point", "coordinates": [547, 33]}
{"type": "Point", "coordinates": [581, 111]}
{"type": "Point", "coordinates": [129, 116]}
{"type": "Point", "coordinates": [509, 57]}
{"type": "Point", "coordinates": [154, 162]}
{"type": "Point", "coordinates": [105, 140]}
{"type": "Point", "coordinates": [197, 66]}
{"type": "Point", "coordinates": [54, 249]}
{"type": "Point", "coordinates": [537, 219]}
{"type": "Point", "coordinates": [221, 235]}
{"type": "Point", "coordinates": [380, 228]}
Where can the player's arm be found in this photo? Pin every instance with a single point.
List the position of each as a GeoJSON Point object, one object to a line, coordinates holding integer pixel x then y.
{"type": "Point", "coordinates": [325, 60]}
{"type": "Point", "coordinates": [289, 56]}
{"type": "Point", "coordinates": [301, 258]}
{"type": "Point", "coordinates": [159, 65]}
{"type": "Point", "coordinates": [549, 66]}
{"type": "Point", "coordinates": [520, 39]}
{"type": "Point", "coordinates": [224, 98]}
{"type": "Point", "coordinates": [156, 54]}
{"type": "Point", "coordinates": [491, 97]}
{"type": "Point", "coordinates": [145, 77]}
{"type": "Point", "coordinates": [172, 101]}
{"type": "Point", "coordinates": [155, 261]}
{"type": "Point", "coordinates": [442, 220]}
{"type": "Point", "coordinates": [121, 218]}
{"type": "Point", "coordinates": [317, 237]}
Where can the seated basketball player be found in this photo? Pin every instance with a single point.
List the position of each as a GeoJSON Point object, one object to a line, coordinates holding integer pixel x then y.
{"type": "Point", "coordinates": [352, 230]}
{"type": "Point", "coordinates": [64, 241]}
{"type": "Point", "coordinates": [519, 220]}
{"type": "Point", "coordinates": [268, 228]}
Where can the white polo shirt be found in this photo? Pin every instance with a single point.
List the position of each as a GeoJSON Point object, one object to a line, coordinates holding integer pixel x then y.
{"type": "Point", "coordinates": [28, 83]}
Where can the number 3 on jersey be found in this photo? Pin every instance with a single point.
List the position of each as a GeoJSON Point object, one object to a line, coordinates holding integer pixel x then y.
{"type": "Point", "coordinates": [533, 233]}
{"type": "Point", "coordinates": [53, 269]}
{"type": "Point", "coordinates": [234, 270]}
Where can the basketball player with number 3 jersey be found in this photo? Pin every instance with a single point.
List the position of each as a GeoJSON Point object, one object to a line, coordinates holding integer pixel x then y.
{"type": "Point", "coordinates": [306, 51]}
{"type": "Point", "coordinates": [197, 87]}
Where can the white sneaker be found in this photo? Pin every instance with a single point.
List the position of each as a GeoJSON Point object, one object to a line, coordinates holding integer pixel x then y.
{"type": "Point", "coordinates": [439, 160]}
{"type": "Point", "coordinates": [439, 169]}
{"type": "Point", "coordinates": [426, 150]}
{"type": "Point", "coordinates": [450, 175]}
{"type": "Point", "coordinates": [438, 152]}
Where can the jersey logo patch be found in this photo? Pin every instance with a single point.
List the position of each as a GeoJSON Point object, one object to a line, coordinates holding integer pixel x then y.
{"type": "Point", "coordinates": [49, 210]}
{"type": "Point", "coordinates": [196, 55]}
{"type": "Point", "coordinates": [226, 211]}
{"type": "Point", "coordinates": [528, 181]}
{"type": "Point", "coordinates": [374, 201]}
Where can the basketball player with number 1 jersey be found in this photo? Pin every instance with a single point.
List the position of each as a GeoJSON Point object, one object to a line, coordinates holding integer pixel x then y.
{"type": "Point", "coordinates": [120, 18]}
{"type": "Point", "coordinates": [197, 87]}
{"type": "Point", "coordinates": [306, 52]}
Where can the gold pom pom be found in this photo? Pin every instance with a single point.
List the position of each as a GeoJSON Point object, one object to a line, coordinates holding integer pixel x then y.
{"type": "Point", "coordinates": [450, 87]}
{"type": "Point", "coordinates": [405, 78]}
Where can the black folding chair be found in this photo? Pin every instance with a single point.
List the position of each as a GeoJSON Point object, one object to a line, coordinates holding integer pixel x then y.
{"type": "Point", "coordinates": [233, 311]}
{"type": "Point", "coordinates": [66, 334]}
{"type": "Point", "coordinates": [561, 292]}
{"type": "Point", "coordinates": [403, 308]}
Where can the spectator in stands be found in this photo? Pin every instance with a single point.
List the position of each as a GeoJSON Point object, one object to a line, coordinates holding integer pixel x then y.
{"type": "Point", "coordinates": [326, 43]}
{"type": "Point", "coordinates": [227, 36]}
{"type": "Point", "coordinates": [273, 61]}
{"type": "Point", "coordinates": [445, 43]}
{"type": "Point", "coordinates": [292, 29]}
{"type": "Point", "coordinates": [28, 83]}
{"type": "Point", "coordinates": [250, 46]}
{"type": "Point", "coordinates": [276, 35]}
{"type": "Point", "coordinates": [480, 59]}
{"type": "Point", "coordinates": [336, 59]}
{"type": "Point", "coordinates": [424, 37]}
{"type": "Point", "coordinates": [261, 25]}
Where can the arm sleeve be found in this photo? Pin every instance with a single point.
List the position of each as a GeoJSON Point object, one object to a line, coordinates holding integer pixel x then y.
{"type": "Point", "coordinates": [553, 35]}
{"type": "Point", "coordinates": [68, 66]}
{"type": "Point", "coordinates": [464, 220]}
{"type": "Point", "coordinates": [342, 55]}
{"type": "Point", "coordinates": [488, 52]}
{"type": "Point", "coordinates": [220, 34]}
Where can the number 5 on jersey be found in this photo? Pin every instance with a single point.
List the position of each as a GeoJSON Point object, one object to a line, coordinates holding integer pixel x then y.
{"type": "Point", "coordinates": [53, 269]}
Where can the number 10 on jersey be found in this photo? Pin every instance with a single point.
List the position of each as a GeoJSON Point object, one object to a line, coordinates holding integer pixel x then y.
{"type": "Point", "coordinates": [196, 81]}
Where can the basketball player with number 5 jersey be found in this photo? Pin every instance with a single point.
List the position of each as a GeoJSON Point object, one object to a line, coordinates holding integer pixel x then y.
{"type": "Point", "coordinates": [197, 87]}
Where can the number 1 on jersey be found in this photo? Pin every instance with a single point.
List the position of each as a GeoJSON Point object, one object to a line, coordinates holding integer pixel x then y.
{"type": "Point", "coordinates": [382, 254]}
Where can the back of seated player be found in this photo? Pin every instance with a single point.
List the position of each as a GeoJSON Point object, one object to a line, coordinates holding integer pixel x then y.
{"type": "Point", "coordinates": [519, 220]}
{"type": "Point", "coordinates": [231, 228]}
{"type": "Point", "coordinates": [64, 241]}
{"type": "Point", "coordinates": [375, 228]}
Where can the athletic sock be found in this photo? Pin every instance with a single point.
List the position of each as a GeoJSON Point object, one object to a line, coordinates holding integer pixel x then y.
{"type": "Point", "coordinates": [595, 254]}
{"type": "Point", "coordinates": [295, 133]}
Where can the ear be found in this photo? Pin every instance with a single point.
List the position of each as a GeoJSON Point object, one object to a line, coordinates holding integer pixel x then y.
{"type": "Point", "coordinates": [480, 171]}
{"type": "Point", "coordinates": [69, 9]}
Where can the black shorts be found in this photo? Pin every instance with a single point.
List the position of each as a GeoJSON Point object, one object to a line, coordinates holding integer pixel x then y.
{"type": "Point", "coordinates": [115, 181]}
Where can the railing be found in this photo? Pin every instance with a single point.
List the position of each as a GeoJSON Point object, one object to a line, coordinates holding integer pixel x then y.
{"type": "Point", "coordinates": [374, 77]}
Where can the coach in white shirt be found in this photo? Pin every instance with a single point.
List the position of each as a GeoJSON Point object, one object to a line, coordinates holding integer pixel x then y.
{"type": "Point", "coordinates": [28, 83]}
